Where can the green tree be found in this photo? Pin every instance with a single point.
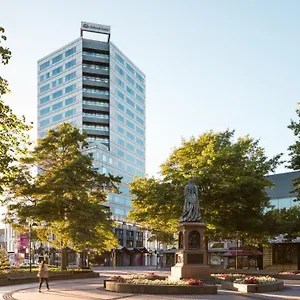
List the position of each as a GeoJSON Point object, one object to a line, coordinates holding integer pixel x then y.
{"type": "Point", "coordinates": [3, 257]}
{"type": "Point", "coordinates": [13, 136]}
{"type": "Point", "coordinates": [67, 194]}
{"type": "Point", "coordinates": [231, 179]}
{"type": "Point", "coordinates": [294, 152]}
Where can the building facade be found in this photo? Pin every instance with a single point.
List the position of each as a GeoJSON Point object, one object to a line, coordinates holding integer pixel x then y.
{"type": "Point", "coordinates": [93, 85]}
{"type": "Point", "coordinates": [283, 254]}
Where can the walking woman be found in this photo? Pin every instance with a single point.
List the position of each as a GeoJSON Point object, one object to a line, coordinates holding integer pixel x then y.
{"type": "Point", "coordinates": [43, 274]}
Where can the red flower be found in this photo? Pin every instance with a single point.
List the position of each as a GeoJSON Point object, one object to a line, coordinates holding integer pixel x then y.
{"type": "Point", "coordinates": [192, 281]}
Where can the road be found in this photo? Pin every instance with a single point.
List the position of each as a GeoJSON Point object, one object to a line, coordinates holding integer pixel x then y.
{"type": "Point", "coordinates": [92, 289]}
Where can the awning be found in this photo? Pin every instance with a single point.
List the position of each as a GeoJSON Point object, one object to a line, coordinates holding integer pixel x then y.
{"type": "Point", "coordinates": [243, 253]}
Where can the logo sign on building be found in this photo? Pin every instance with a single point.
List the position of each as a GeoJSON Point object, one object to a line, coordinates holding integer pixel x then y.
{"type": "Point", "coordinates": [93, 27]}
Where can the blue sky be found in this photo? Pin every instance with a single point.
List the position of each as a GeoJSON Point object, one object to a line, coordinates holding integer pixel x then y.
{"type": "Point", "coordinates": [209, 64]}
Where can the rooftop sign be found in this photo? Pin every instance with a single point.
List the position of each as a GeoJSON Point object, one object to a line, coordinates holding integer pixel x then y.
{"type": "Point", "coordinates": [93, 27]}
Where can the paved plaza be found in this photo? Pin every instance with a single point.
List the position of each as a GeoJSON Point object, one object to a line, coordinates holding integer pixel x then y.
{"type": "Point", "coordinates": [92, 289]}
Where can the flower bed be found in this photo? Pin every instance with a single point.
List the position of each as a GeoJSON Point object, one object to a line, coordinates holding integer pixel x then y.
{"type": "Point", "coordinates": [253, 284]}
{"type": "Point", "coordinates": [293, 275]}
{"type": "Point", "coordinates": [154, 284]}
{"type": "Point", "coordinates": [219, 277]}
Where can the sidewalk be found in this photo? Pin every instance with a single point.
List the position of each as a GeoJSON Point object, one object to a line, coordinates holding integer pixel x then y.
{"type": "Point", "coordinates": [92, 289]}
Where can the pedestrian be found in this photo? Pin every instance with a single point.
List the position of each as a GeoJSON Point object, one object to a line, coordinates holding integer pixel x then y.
{"type": "Point", "coordinates": [43, 275]}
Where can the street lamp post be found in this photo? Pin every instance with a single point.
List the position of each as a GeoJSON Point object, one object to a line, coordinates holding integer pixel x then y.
{"type": "Point", "coordinates": [30, 223]}
{"type": "Point", "coordinates": [236, 254]}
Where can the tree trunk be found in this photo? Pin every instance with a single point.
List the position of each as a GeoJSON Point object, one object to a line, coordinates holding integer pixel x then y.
{"type": "Point", "coordinates": [63, 259]}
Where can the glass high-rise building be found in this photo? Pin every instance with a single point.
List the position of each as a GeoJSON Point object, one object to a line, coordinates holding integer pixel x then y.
{"type": "Point", "coordinates": [97, 88]}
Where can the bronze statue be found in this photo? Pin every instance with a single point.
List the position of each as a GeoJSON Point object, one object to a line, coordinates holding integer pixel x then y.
{"type": "Point", "coordinates": [191, 210]}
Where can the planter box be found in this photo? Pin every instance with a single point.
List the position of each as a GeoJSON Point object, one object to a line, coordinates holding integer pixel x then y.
{"type": "Point", "coordinates": [32, 277]}
{"type": "Point", "coordinates": [288, 276]}
{"type": "Point", "coordinates": [160, 289]}
{"type": "Point", "coordinates": [253, 288]}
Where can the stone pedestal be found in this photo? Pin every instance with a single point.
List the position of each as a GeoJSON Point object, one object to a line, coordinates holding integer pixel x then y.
{"type": "Point", "coordinates": [191, 256]}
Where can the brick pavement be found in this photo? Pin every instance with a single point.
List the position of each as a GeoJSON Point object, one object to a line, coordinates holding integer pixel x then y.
{"type": "Point", "coordinates": [92, 289]}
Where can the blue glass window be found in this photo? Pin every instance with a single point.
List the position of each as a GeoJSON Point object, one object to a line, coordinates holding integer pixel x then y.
{"type": "Point", "coordinates": [57, 106]}
{"type": "Point", "coordinates": [44, 111]}
{"type": "Point", "coordinates": [44, 88]}
{"type": "Point", "coordinates": [129, 68]}
{"type": "Point", "coordinates": [70, 100]}
{"type": "Point", "coordinates": [70, 113]}
{"type": "Point", "coordinates": [120, 58]}
{"type": "Point", "coordinates": [120, 95]}
{"type": "Point", "coordinates": [140, 163]}
{"type": "Point", "coordinates": [57, 58]}
{"type": "Point", "coordinates": [42, 134]}
{"type": "Point", "coordinates": [70, 64]}
{"type": "Point", "coordinates": [139, 173]}
{"type": "Point", "coordinates": [119, 211]}
{"type": "Point", "coordinates": [120, 82]}
{"type": "Point", "coordinates": [130, 158]}
{"type": "Point", "coordinates": [130, 102]}
{"type": "Point", "coordinates": [45, 76]}
{"type": "Point", "coordinates": [130, 91]}
{"type": "Point", "coordinates": [57, 94]}
{"type": "Point", "coordinates": [140, 110]}
{"type": "Point", "coordinates": [44, 122]}
{"type": "Point", "coordinates": [70, 51]}
{"type": "Point", "coordinates": [130, 135]}
{"type": "Point", "coordinates": [139, 131]}
{"type": "Point", "coordinates": [120, 118]}
{"type": "Point", "coordinates": [70, 76]}
{"type": "Point", "coordinates": [121, 142]}
{"type": "Point", "coordinates": [139, 141]}
{"type": "Point", "coordinates": [139, 152]}
{"type": "Point", "coordinates": [139, 88]}
{"type": "Point", "coordinates": [130, 169]}
{"type": "Point", "coordinates": [130, 147]}
{"type": "Point", "coordinates": [44, 65]}
{"type": "Point", "coordinates": [129, 124]}
{"type": "Point", "coordinates": [120, 165]}
{"type": "Point", "coordinates": [129, 113]}
{"type": "Point", "coordinates": [57, 118]}
{"type": "Point", "coordinates": [139, 77]}
{"type": "Point", "coordinates": [130, 80]}
{"type": "Point", "coordinates": [44, 100]}
{"type": "Point", "coordinates": [120, 106]}
{"type": "Point", "coordinates": [120, 130]}
{"type": "Point", "coordinates": [119, 70]}
{"type": "Point", "coordinates": [139, 98]}
{"type": "Point", "coordinates": [120, 153]}
{"type": "Point", "coordinates": [54, 83]}
{"type": "Point", "coordinates": [139, 120]}
{"type": "Point", "coordinates": [57, 71]}
{"type": "Point", "coordinates": [70, 88]}
{"type": "Point", "coordinates": [60, 80]}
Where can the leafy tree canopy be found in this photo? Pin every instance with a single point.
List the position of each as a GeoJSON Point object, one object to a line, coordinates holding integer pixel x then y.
{"type": "Point", "coordinates": [231, 179]}
{"type": "Point", "coordinates": [13, 136]}
{"type": "Point", "coordinates": [67, 194]}
{"type": "Point", "coordinates": [294, 152]}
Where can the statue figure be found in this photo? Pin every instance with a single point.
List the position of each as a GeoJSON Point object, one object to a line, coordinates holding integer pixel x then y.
{"type": "Point", "coordinates": [191, 210]}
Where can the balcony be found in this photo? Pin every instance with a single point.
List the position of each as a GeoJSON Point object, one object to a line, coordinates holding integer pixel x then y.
{"type": "Point", "coordinates": [95, 69]}
{"type": "Point", "coordinates": [94, 58]}
{"type": "Point", "coordinates": [95, 118]}
{"type": "Point", "coordinates": [99, 83]}
{"type": "Point", "coordinates": [93, 106]}
{"type": "Point", "coordinates": [90, 95]}
{"type": "Point", "coordinates": [95, 131]}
